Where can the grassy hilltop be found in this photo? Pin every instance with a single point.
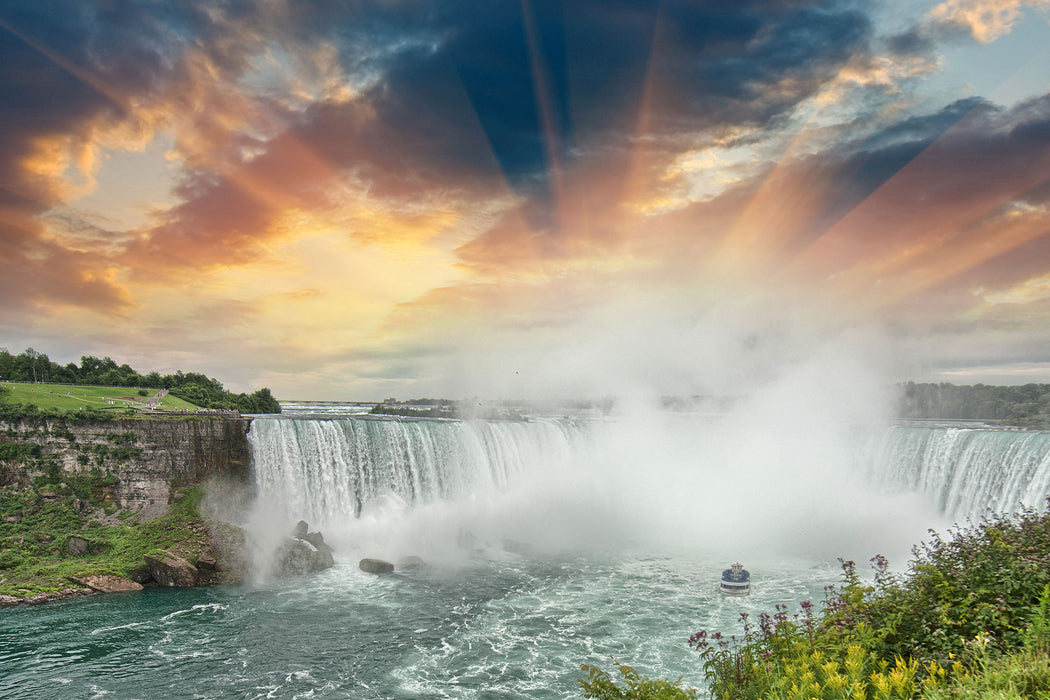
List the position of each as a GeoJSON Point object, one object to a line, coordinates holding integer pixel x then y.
{"type": "Point", "coordinates": [119, 383]}
{"type": "Point", "coordinates": [64, 397]}
{"type": "Point", "coordinates": [64, 463]}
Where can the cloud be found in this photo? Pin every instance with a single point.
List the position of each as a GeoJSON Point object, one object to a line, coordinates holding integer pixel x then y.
{"type": "Point", "coordinates": [545, 161]}
{"type": "Point", "coordinates": [984, 20]}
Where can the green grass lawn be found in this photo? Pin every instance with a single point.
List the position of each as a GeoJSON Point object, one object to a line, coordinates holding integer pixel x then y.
{"type": "Point", "coordinates": [67, 397]}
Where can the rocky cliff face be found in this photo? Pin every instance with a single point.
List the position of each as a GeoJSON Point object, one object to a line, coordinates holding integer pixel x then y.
{"type": "Point", "coordinates": [143, 459]}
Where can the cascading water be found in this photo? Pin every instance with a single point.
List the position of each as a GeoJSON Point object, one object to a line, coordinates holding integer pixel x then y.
{"type": "Point", "coordinates": [966, 471]}
{"type": "Point", "coordinates": [502, 621]}
{"type": "Point", "coordinates": [337, 471]}
{"type": "Point", "coordinates": [330, 469]}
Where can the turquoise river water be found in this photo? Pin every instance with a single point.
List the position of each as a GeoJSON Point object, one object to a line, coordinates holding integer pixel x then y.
{"type": "Point", "coordinates": [549, 544]}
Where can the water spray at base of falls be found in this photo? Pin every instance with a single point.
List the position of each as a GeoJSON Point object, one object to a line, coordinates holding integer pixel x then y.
{"type": "Point", "coordinates": [669, 483]}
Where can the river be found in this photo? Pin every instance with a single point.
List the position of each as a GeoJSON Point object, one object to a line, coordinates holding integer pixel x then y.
{"type": "Point", "coordinates": [548, 544]}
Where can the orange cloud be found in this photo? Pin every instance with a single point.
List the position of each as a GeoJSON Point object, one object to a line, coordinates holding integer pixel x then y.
{"type": "Point", "coordinates": [985, 20]}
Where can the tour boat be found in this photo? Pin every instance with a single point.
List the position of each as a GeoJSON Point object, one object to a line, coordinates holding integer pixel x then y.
{"type": "Point", "coordinates": [736, 580]}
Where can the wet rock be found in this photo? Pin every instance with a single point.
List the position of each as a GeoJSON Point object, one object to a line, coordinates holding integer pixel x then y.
{"type": "Point", "coordinates": [304, 552]}
{"type": "Point", "coordinates": [7, 601]}
{"type": "Point", "coordinates": [206, 562]}
{"type": "Point", "coordinates": [516, 547]}
{"type": "Point", "coordinates": [375, 566]}
{"type": "Point", "coordinates": [141, 575]}
{"type": "Point", "coordinates": [314, 538]}
{"type": "Point", "coordinates": [410, 563]}
{"type": "Point", "coordinates": [298, 556]}
{"type": "Point", "coordinates": [106, 583]}
{"type": "Point", "coordinates": [172, 571]}
{"type": "Point", "coordinates": [77, 546]}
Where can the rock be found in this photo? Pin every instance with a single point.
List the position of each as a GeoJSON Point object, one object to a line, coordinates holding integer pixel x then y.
{"type": "Point", "coordinates": [12, 518]}
{"type": "Point", "coordinates": [298, 556]}
{"type": "Point", "coordinates": [106, 583]}
{"type": "Point", "coordinates": [516, 547]}
{"type": "Point", "coordinates": [77, 546]}
{"type": "Point", "coordinates": [300, 530]}
{"type": "Point", "coordinates": [206, 562]}
{"type": "Point", "coordinates": [7, 601]}
{"type": "Point", "coordinates": [314, 538]}
{"type": "Point", "coordinates": [141, 575]}
{"type": "Point", "coordinates": [172, 571]}
{"type": "Point", "coordinates": [375, 566]}
{"type": "Point", "coordinates": [410, 563]}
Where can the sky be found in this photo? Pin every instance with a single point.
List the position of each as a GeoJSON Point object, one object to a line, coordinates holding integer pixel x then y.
{"type": "Point", "coordinates": [527, 198]}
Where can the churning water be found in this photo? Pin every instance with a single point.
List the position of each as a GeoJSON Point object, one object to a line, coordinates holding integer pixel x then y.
{"type": "Point", "coordinates": [549, 544]}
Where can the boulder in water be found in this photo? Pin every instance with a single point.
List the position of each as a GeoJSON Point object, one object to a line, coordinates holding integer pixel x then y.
{"type": "Point", "coordinates": [300, 530]}
{"type": "Point", "coordinates": [172, 571]}
{"type": "Point", "coordinates": [375, 566]}
{"type": "Point", "coordinates": [314, 538]}
{"type": "Point", "coordinates": [410, 563]}
{"type": "Point", "coordinates": [299, 556]}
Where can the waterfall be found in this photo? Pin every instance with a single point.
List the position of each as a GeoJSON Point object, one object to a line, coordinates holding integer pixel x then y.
{"type": "Point", "coordinates": [330, 469]}
{"type": "Point", "coordinates": [680, 482]}
{"type": "Point", "coordinates": [966, 472]}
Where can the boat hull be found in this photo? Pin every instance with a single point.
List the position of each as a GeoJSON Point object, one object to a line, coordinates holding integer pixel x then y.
{"type": "Point", "coordinates": [729, 588]}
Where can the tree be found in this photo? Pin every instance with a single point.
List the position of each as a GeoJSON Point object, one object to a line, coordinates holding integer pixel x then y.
{"type": "Point", "coordinates": [32, 355]}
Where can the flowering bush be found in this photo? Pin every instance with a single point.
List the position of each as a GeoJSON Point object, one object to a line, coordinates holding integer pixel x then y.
{"type": "Point", "coordinates": [600, 686]}
{"type": "Point", "coordinates": [974, 601]}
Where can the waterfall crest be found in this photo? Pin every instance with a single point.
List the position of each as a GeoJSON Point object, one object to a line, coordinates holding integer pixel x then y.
{"type": "Point", "coordinates": [331, 470]}
{"type": "Point", "coordinates": [334, 468]}
{"type": "Point", "coordinates": [965, 472]}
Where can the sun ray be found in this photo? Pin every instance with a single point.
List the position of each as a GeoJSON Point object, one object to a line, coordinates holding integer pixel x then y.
{"type": "Point", "coordinates": [117, 98]}
{"type": "Point", "coordinates": [545, 107]}
{"type": "Point", "coordinates": [896, 226]}
{"type": "Point", "coordinates": [635, 187]}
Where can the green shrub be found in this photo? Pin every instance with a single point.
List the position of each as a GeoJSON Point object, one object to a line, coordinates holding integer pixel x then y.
{"type": "Point", "coordinates": [600, 686]}
{"type": "Point", "coordinates": [1037, 634]}
{"type": "Point", "coordinates": [1016, 676]}
{"type": "Point", "coordinates": [18, 451]}
{"type": "Point", "coordinates": [9, 559]}
{"type": "Point", "coordinates": [970, 619]}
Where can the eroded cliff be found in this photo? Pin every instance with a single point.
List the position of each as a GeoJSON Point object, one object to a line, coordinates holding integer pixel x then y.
{"type": "Point", "coordinates": [143, 460]}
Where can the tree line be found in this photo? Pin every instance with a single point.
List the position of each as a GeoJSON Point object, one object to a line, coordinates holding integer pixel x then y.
{"type": "Point", "coordinates": [198, 389]}
{"type": "Point", "coordinates": [1026, 406]}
